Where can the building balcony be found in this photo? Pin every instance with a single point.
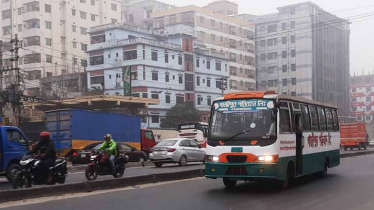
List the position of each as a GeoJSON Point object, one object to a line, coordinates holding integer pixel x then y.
{"type": "Point", "coordinates": [118, 25]}
{"type": "Point", "coordinates": [138, 40]}
{"type": "Point", "coordinates": [199, 51]}
{"type": "Point", "coordinates": [30, 15]}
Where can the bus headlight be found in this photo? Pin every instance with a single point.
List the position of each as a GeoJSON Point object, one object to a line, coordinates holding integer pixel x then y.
{"type": "Point", "coordinates": [267, 158]}
{"type": "Point", "coordinates": [211, 158]}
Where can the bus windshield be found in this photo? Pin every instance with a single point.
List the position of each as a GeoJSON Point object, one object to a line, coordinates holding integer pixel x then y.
{"type": "Point", "coordinates": [234, 116]}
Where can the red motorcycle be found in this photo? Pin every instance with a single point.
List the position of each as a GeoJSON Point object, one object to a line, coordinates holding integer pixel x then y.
{"type": "Point", "coordinates": [100, 166]}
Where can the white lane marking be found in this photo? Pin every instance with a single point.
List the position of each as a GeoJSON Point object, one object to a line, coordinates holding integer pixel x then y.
{"type": "Point", "coordinates": [80, 195]}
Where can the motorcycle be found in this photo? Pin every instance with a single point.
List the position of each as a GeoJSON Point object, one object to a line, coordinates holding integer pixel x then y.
{"type": "Point", "coordinates": [30, 175]}
{"type": "Point", "coordinates": [100, 165]}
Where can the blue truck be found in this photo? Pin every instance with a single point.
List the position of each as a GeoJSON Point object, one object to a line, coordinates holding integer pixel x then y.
{"type": "Point", "coordinates": [13, 145]}
{"type": "Point", "coordinates": [75, 129]}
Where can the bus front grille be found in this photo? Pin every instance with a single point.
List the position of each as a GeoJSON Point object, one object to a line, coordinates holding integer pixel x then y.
{"type": "Point", "coordinates": [236, 170]}
{"type": "Point", "coordinates": [236, 158]}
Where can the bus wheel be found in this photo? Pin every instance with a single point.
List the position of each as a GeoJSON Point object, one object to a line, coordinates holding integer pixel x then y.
{"type": "Point", "coordinates": [322, 174]}
{"type": "Point", "coordinates": [359, 146]}
{"type": "Point", "coordinates": [345, 148]}
{"type": "Point", "coordinates": [229, 183]}
{"type": "Point", "coordinates": [283, 185]}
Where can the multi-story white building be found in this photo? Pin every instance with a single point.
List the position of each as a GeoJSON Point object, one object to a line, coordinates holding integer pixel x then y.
{"type": "Point", "coordinates": [53, 33]}
{"type": "Point", "coordinates": [164, 67]}
{"type": "Point", "coordinates": [137, 12]}
{"type": "Point", "coordinates": [304, 51]}
{"type": "Point", "coordinates": [221, 33]}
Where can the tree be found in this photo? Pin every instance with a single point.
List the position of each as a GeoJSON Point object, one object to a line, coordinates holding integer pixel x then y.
{"type": "Point", "coordinates": [178, 114]}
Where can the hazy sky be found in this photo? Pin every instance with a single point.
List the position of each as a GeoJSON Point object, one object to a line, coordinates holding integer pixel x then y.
{"type": "Point", "coordinates": [362, 28]}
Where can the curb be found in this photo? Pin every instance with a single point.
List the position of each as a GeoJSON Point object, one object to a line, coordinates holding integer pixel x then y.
{"type": "Point", "coordinates": [354, 154]}
{"type": "Point", "coordinates": [89, 186]}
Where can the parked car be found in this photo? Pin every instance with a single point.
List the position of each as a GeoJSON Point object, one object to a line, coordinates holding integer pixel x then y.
{"type": "Point", "coordinates": [371, 142]}
{"type": "Point", "coordinates": [178, 150]}
{"type": "Point", "coordinates": [83, 156]}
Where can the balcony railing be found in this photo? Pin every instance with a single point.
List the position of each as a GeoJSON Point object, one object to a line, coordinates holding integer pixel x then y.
{"type": "Point", "coordinates": [118, 25]}
{"type": "Point", "coordinates": [209, 53]}
{"type": "Point", "coordinates": [138, 40]}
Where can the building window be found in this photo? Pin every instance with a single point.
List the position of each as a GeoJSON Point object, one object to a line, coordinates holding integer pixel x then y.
{"type": "Point", "coordinates": [353, 90]}
{"type": "Point", "coordinates": [293, 39]}
{"type": "Point", "coordinates": [208, 64]}
{"type": "Point", "coordinates": [167, 99]}
{"type": "Point", "coordinates": [74, 12]}
{"type": "Point", "coordinates": [198, 81]}
{"type": "Point", "coordinates": [155, 119]}
{"type": "Point", "coordinates": [284, 54]}
{"type": "Point", "coordinates": [48, 25]}
{"type": "Point", "coordinates": [155, 76]}
{"type": "Point", "coordinates": [48, 58]}
{"type": "Point", "coordinates": [74, 45]}
{"type": "Point", "coordinates": [75, 61]}
{"type": "Point", "coordinates": [202, 19]}
{"type": "Point", "coordinates": [213, 23]}
{"type": "Point", "coordinates": [84, 62]}
{"type": "Point", "coordinates": [284, 68]}
{"type": "Point", "coordinates": [154, 96]}
{"type": "Point", "coordinates": [166, 58]}
{"type": "Point", "coordinates": [368, 108]}
{"type": "Point", "coordinates": [83, 31]}
{"type": "Point", "coordinates": [93, 17]}
{"type": "Point", "coordinates": [97, 80]}
{"type": "Point", "coordinates": [293, 81]}
{"type": "Point", "coordinates": [293, 24]}
{"type": "Point", "coordinates": [83, 15]}
{"type": "Point", "coordinates": [293, 53]}
{"type": "Point", "coordinates": [97, 60]}
{"type": "Point", "coordinates": [272, 56]}
{"type": "Point", "coordinates": [262, 43]}
{"type": "Point", "coordinates": [218, 84]}
{"type": "Point", "coordinates": [368, 99]}
{"type": "Point", "coordinates": [180, 99]}
{"type": "Point", "coordinates": [208, 82]}
{"type": "Point", "coordinates": [293, 11]}
{"type": "Point", "coordinates": [367, 89]}
{"type": "Point", "coordinates": [93, 2]}
{"type": "Point", "coordinates": [284, 40]}
{"type": "Point", "coordinates": [48, 42]}
{"type": "Point", "coordinates": [180, 60]}
{"type": "Point", "coordinates": [263, 57]}
{"type": "Point", "coordinates": [284, 82]}
{"type": "Point", "coordinates": [180, 79]}
{"type": "Point", "coordinates": [154, 55]}
{"type": "Point", "coordinates": [197, 63]}
{"type": "Point", "coordinates": [48, 8]}
{"type": "Point", "coordinates": [213, 37]}
{"type": "Point", "coordinates": [114, 7]}
{"type": "Point", "coordinates": [293, 67]}
{"type": "Point", "coordinates": [74, 28]}
{"type": "Point", "coordinates": [209, 101]}
{"type": "Point", "coordinates": [144, 95]}
{"type": "Point", "coordinates": [83, 1]}
{"type": "Point", "coordinates": [218, 66]}
{"type": "Point", "coordinates": [272, 28]}
{"type": "Point", "coordinates": [84, 47]}
{"type": "Point", "coordinates": [130, 55]}
{"type": "Point", "coordinates": [284, 26]}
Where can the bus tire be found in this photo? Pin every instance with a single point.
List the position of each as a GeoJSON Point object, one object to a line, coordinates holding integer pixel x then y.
{"type": "Point", "coordinates": [283, 185]}
{"type": "Point", "coordinates": [230, 184]}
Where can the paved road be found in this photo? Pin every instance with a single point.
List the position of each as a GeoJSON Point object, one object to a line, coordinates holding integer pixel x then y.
{"type": "Point", "coordinates": [80, 177]}
{"type": "Point", "coordinates": [347, 187]}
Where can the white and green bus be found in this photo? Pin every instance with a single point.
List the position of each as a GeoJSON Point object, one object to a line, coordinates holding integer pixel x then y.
{"type": "Point", "coordinates": [262, 135]}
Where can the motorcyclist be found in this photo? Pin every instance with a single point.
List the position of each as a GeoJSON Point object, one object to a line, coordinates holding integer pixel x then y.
{"type": "Point", "coordinates": [47, 151]}
{"type": "Point", "coordinates": [111, 147]}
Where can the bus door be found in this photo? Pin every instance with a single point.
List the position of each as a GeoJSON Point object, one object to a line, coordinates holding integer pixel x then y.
{"type": "Point", "coordinates": [298, 129]}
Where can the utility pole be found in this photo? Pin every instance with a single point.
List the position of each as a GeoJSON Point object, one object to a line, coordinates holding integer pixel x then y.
{"type": "Point", "coordinates": [1, 64]}
{"type": "Point", "coordinates": [223, 85]}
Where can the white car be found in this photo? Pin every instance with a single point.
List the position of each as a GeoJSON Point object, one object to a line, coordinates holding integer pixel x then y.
{"type": "Point", "coordinates": [178, 150]}
{"type": "Point", "coordinates": [371, 143]}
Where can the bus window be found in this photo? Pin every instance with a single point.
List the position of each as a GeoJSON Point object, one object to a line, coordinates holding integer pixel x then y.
{"type": "Point", "coordinates": [330, 126]}
{"type": "Point", "coordinates": [322, 119]}
{"type": "Point", "coordinates": [314, 117]}
{"type": "Point", "coordinates": [306, 117]}
{"type": "Point", "coordinates": [335, 119]}
{"type": "Point", "coordinates": [285, 125]}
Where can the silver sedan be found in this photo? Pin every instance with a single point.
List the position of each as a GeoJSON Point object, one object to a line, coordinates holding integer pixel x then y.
{"type": "Point", "coordinates": [178, 150]}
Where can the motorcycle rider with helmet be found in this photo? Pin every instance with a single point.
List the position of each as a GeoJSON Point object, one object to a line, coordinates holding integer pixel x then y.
{"type": "Point", "coordinates": [110, 146]}
{"type": "Point", "coordinates": [45, 147]}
